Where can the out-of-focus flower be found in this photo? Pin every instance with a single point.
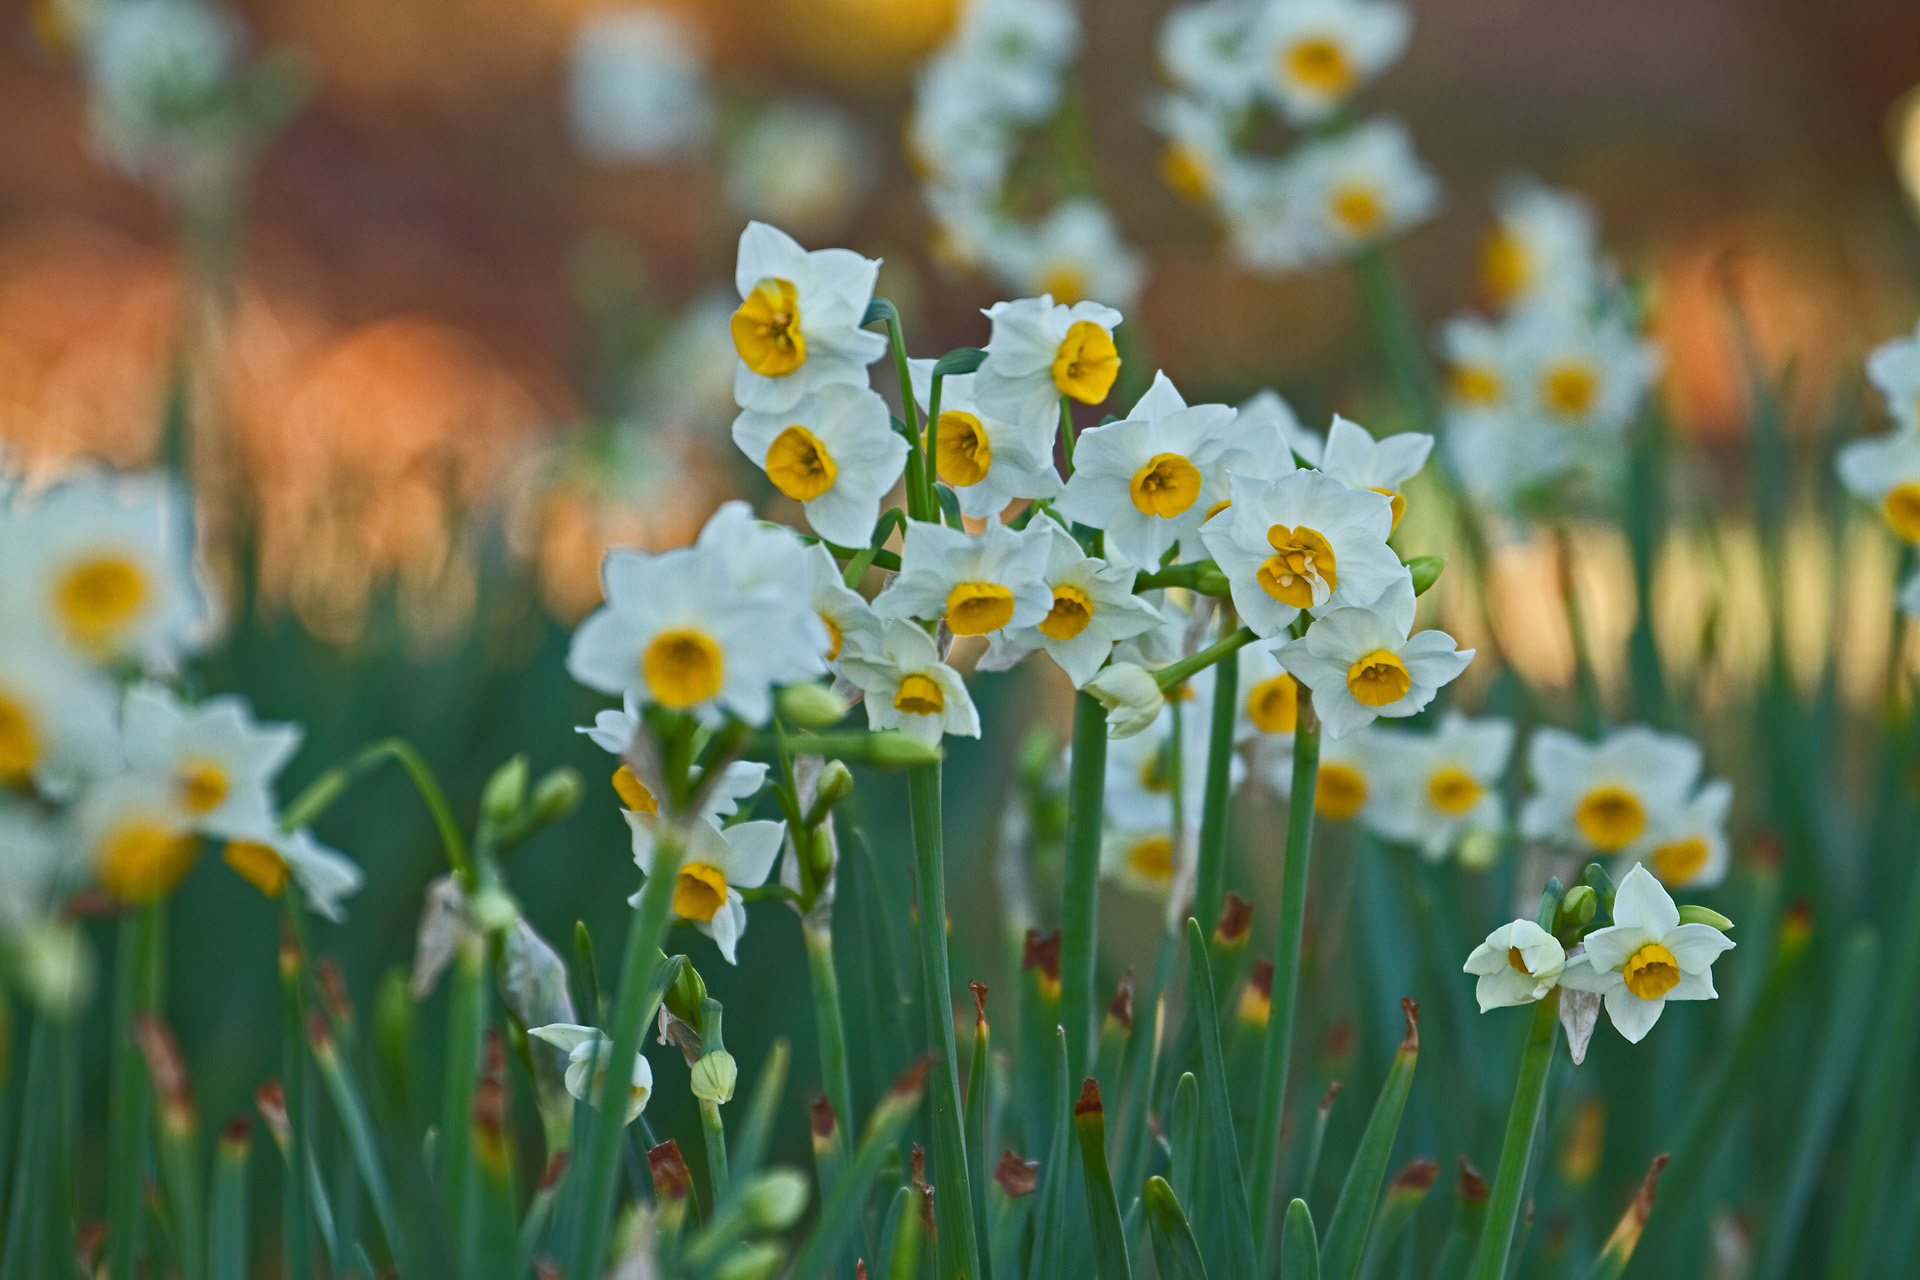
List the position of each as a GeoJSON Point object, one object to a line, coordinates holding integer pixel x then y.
{"type": "Point", "coordinates": [1145, 861]}
{"type": "Point", "coordinates": [1320, 52]}
{"type": "Point", "coordinates": [588, 1051]}
{"type": "Point", "coordinates": [718, 862]}
{"type": "Point", "coordinates": [1363, 662]}
{"type": "Point", "coordinates": [1039, 351]}
{"type": "Point", "coordinates": [1646, 957]}
{"type": "Point", "coordinates": [1894, 368]}
{"type": "Point", "coordinates": [798, 326]}
{"type": "Point", "coordinates": [1542, 248]}
{"type": "Point", "coordinates": [1093, 607]}
{"type": "Point", "coordinates": [1518, 964]}
{"type": "Point", "coordinates": [1355, 459]}
{"type": "Point", "coordinates": [1578, 370]}
{"type": "Point", "coordinates": [804, 165]}
{"type": "Point", "coordinates": [1885, 471]}
{"type": "Point", "coordinates": [1333, 198]}
{"type": "Point", "coordinates": [909, 688]}
{"type": "Point", "coordinates": [1140, 782]}
{"type": "Point", "coordinates": [1445, 784]}
{"type": "Point", "coordinates": [57, 725]}
{"type": "Point", "coordinates": [136, 837]}
{"type": "Point", "coordinates": [852, 625]}
{"type": "Point", "coordinates": [1348, 781]}
{"type": "Point", "coordinates": [1690, 850]}
{"type": "Point", "coordinates": [220, 761]}
{"type": "Point", "coordinates": [325, 876]}
{"type": "Point", "coordinates": [1072, 254]}
{"type": "Point", "coordinates": [988, 461]}
{"type": "Point", "coordinates": [637, 86]}
{"type": "Point", "coordinates": [1130, 695]}
{"type": "Point", "coordinates": [833, 452]}
{"type": "Point", "coordinates": [980, 584]}
{"type": "Point", "coordinates": [1270, 435]}
{"type": "Point", "coordinates": [1208, 50]}
{"type": "Point", "coordinates": [156, 71]}
{"type": "Point", "coordinates": [1609, 797]}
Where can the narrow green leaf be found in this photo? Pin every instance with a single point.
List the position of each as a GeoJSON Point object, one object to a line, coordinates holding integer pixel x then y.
{"type": "Point", "coordinates": [227, 1204]}
{"type": "Point", "coordinates": [350, 1107]}
{"type": "Point", "coordinates": [978, 1122]}
{"type": "Point", "coordinates": [1405, 1194]}
{"type": "Point", "coordinates": [1618, 1250]}
{"type": "Point", "coordinates": [1299, 1248]}
{"type": "Point", "coordinates": [898, 1208]}
{"type": "Point", "coordinates": [841, 1213]}
{"type": "Point", "coordinates": [1103, 1209]}
{"type": "Point", "coordinates": [1186, 1138]}
{"type": "Point", "coordinates": [1219, 1109]}
{"type": "Point", "coordinates": [1352, 1218]}
{"type": "Point", "coordinates": [959, 360]}
{"type": "Point", "coordinates": [1469, 1217]}
{"type": "Point", "coordinates": [1051, 1231]}
{"type": "Point", "coordinates": [750, 1145]}
{"type": "Point", "coordinates": [877, 310]}
{"type": "Point", "coordinates": [1176, 1254]}
{"type": "Point", "coordinates": [1317, 1139]}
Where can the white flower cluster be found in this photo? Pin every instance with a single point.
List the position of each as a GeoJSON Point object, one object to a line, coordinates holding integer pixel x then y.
{"type": "Point", "coordinates": [1540, 396]}
{"type": "Point", "coordinates": [1239, 68]}
{"type": "Point", "coordinates": [977, 99]}
{"type": "Point", "coordinates": [1885, 470]}
{"type": "Point", "coordinates": [111, 779]}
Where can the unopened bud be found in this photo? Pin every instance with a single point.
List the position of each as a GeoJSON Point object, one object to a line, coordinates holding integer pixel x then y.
{"type": "Point", "coordinates": [1691, 914]}
{"type": "Point", "coordinates": [557, 794]}
{"type": "Point", "coordinates": [494, 909]}
{"type": "Point", "coordinates": [55, 968]}
{"type": "Point", "coordinates": [776, 1199]}
{"type": "Point", "coordinates": [1578, 906]}
{"type": "Point", "coordinates": [505, 793]}
{"type": "Point", "coordinates": [688, 994]}
{"type": "Point", "coordinates": [1131, 695]}
{"type": "Point", "coordinates": [835, 785]}
{"type": "Point", "coordinates": [757, 1260]}
{"type": "Point", "coordinates": [892, 749]}
{"type": "Point", "coordinates": [811, 706]}
{"type": "Point", "coordinates": [1425, 571]}
{"type": "Point", "coordinates": [714, 1077]}
{"type": "Point", "coordinates": [1479, 849]}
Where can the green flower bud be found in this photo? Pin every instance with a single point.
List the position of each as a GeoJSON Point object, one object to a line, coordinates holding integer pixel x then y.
{"type": "Point", "coordinates": [505, 793]}
{"type": "Point", "coordinates": [493, 908]}
{"type": "Point", "coordinates": [688, 994]}
{"type": "Point", "coordinates": [557, 794]}
{"type": "Point", "coordinates": [757, 1260]}
{"type": "Point", "coordinates": [1691, 914]}
{"type": "Point", "coordinates": [891, 748]}
{"type": "Point", "coordinates": [1577, 908]}
{"type": "Point", "coordinates": [715, 1076]}
{"type": "Point", "coordinates": [836, 784]}
{"type": "Point", "coordinates": [811, 706]}
{"type": "Point", "coordinates": [1425, 571]}
{"type": "Point", "coordinates": [776, 1199]}
{"type": "Point", "coordinates": [1479, 849]}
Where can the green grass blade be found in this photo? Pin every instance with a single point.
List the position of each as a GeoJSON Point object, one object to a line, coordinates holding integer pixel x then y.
{"type": "Point", "coordinates": [1405, 1194]}
{"type": "Point", "coordinates": [1299, 1248]}
{"type": "Point", "coordinates": [349, 1105]}
{"type": "Point", "coordinates": [1080, 908]}
{"type": "Point", "coordinates": [1219, 1110]}
{"type": "Point", "coordinates": [1176, 1254]}
{"type": "Point", "coordinates": [1353, 1212]}
{"type": "Point", "coordinates": [1050, 1233]}
{"type": "Point", "coordinates": [1186, 1138]}
{"type": "Point", "coordinates": [978, 1123]}
{"type": "Point", "coordinates": [750, 1143]}
{"type": "Point", "coordinates": [1618, 1250]}
{"type": "Point", "coordinates": [1469, 1218]}
{"type": "Point", "coordinates": [1103, 1209]}
{"type": "Point", "coordinates": [227, 1202]}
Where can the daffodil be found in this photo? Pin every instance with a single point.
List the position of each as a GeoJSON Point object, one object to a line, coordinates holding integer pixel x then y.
{"type": "Point", "coordinates": [136, 837]}
{"type": "Point", "coordinates": [219, 760]}
{"type": "Point", "coordinates": [1073, 254]}
{"type": "Point", "coordinates": [1270, 436]}
{"type": "Point", "coordinates": [1894, 368]}
{"type": "Point", "coordinates": [154, 69]}
{"type": "Point", "coordinates": [1303, 542]}
{"type": "Point", "coordinates": [1140, 772]}
{"type": "Point", "coordinates": [1333, 198]}
{"type": "Point", "coordinates": [1646, 957]}
{"type": "Point", "coordinates": [909, 688]}
{"type": "Point", "coordinates": [1014, 50]}
{"type": "Point", "coordinates": [1446, 784]}
{"type": "Point", "coordinates": [57, 719]}
{"type": "Point", "coordinates": [1363, 663]}
{"type": "Point", "coordinates": [1478, 358]}
{"type": "Point", "coordinates": [769, 562]}
{"type": "Point", "coordinates": [803, 165]}
{"type": "Point", "coordinates": [1518, 964]}
{"type": "Point", "coordinates": [988, 462]}
{"type": "Point", "coordinates": [1320, 52]}
{"type": "Point", "coordinates": [269, 859]}
{"type": "Point", "coordinates": [1039, 351]}
{"type": "Point", "coordinates": [717, 863]}
{"type": "Point", "coordinates": [1209, 51]}
{"type": "Point", "coordinates": [1130, 695]}
{"type": "Point", "coordinates": [798, 326]}
{"type": "Point", "coordinates": [1610, 797]}
{"type": "Point", "coordinates": [979, 583]}
{"type": "Point", "coordinates": [1885, 471]}
{"type": "Point", "coordinates": [1146, 861]}
{"type": "Point", "coordinates": [1541, 248]}
{"type": "Point", "coordinates": [1689, 851]}
{"type": "Point", "coordinates": [1152, 478]}
{"type": "Point", "coordinates": [1093, 607]}
{"type": "Point", "coordinates": [588, 1051]}
{"type": "Point", "coordinates": [1269, 699]}
{"type": "Point", "coordinates": [834, 452]}
{"type": "Point", "coordinates": [35, 862]}
{"type": "Point", "coordinates": [1579, 368]}
{"type": "Point", "coordinates": [852, 625]}
{"type": "Point", "coordinates": [1355, 459]}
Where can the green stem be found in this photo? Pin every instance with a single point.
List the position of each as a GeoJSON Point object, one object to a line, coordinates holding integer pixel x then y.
{"type": "Point", "coordinates": [296, 1205]}
{"type": "Point", "coordinates": [1210, 878]}
{"type": "Point", "coordinates": [1186, 668]}
{"type": "Point", "coordinates": [829, 1026]}
{"type": "Point", "coordinates": [714, 1130]}
{"type": "Point", "coordinates": [1398, 333]}
{"type": "Point", "coordinates": [958, 1248]}
{"type": "Point", "coordinates": [1586, 681]}
{"type": "Point", "coordinates": [1523, 1124]}
{"type": "Point", "coordinates": [136, 965]}
{"type": "Point", "coordinates": [1278, 1046]}
{"type": "Point", "coordinates": [28, 1197]}
{"type": "Point", "coordinates": [933, 447]}
{"type": "Point", "coordinates": [919, 483]}
{"type": "Point", "coordinates": [466, 1023]}
{"type": "Point", "coordinates": [329, 786]}
{"type": "Point", "coordinates": [1066, 433]}
{"type": "Point", "coordinates": [1080, 912]}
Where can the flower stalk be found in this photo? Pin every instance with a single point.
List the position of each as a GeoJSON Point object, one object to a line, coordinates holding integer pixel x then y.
{"type": "Point", "coordinates": [1080, 912]}
{"type": "Point", "coordinates": [1523, 1125]}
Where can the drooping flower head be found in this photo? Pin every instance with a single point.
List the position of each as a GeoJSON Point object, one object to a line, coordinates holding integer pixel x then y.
{"type": "Point", "coordinates": [588, 1051]}
{"type": "Point", "coordinates": [1518, 964]}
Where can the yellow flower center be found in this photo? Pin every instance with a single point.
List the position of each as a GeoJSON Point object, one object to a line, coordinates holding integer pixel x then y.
{"type": "Point", "coordinates": [1302, 556]}
{"type": "Point", "coordinates": [975, 608]}
{"type": "Point", "coordinates": [1183, 170]}
{"type": "Point", "coordinates": [699, 891]}
{"type": "Point", "coordinates": [1517, 961]}
{"type": "Point", "coordinates": [1216, 509]}
{"type": "Point", "coordinates": [1152, 859]}
{"type": "Point", "coordinates": [1358, 211]}
{"type": "Point", "coordinates": [1065, 281]}
{"type": "Point", "coordinates": [1903, 510]}
{"type": "Point", "coordinates": [835, 637]}
{"type": "Point", "coordinates": [1474, 384]}
{"type": "Point", "coordinates": [1071, 613]}
{"type": "Point", "coordinates": [1610, 817]}
{"type": "Point", "coordinates": [919, 696]}
{"type": "Point", "coordinates": [1274, 705]}
{"type": "Point", "coordinates": [142, 860]}
{"type": "Point", "coordinates": [1086, 363]}
{"type": "Point", "coordinates": [1453, 791]}
{"type": "Point", "coordinates": [1320, 65]}
{"type": "Point", "coordinates": [1569, 389]}
{"type": "Point", "coordinates": [203, 787]}
{"type": "Point", "coordinates": [766, 329]}
{"type": "Point", "coordinates": [682, 668]}
{"type": "Point", "coordinates": [260, 865]}
{"type": "Point", "coordinates": [634, 794]}
{"type": "Point", "coordinates": [799, 465]}
{"type": "Point", "coordinates": [97, 599]}
{"type": "Point", "coordinates": [1505, 267]}
{"type": "Point", "coordinates": [1678, 863]}
{"type": "Point", "coordinates": [1156, 771]}
{"type": "Point", "coordinates": [1379, 679]}
{"type": "Point", "coordinates": [1166, 486]}
{"type": "Point", "coordinates": [19, 742]}
{"type": "Point", "coordinates": [1340, 792]}
{"type": "Point", "coordinates": [1651, 972]}
{"type": "Point", "coordinates": [1399, 502]}
{"type": "Point", "coordinates": [963, 452]}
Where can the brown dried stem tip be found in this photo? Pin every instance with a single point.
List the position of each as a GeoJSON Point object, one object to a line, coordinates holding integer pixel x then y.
{"type": "Point", "coordinates": [1326, 1099]}
{"type": "Point", "coordinates": [979, 990]}
{"type": "Point", "coordinates": [672, 1180]}
{"type": "Point", "coordinates": [825, 1124]}
{"type": "Point", "coordinates": [1471, 1185]}
{"type": "Point", "coordinates": [1089, 1103]}
{"type": "Point", "coordinates": [1417, 1176]}
{"type": "Point", "coordinates": [1410, 1043]}
{"type": "Point", "coordinates": [1042, 952]}
{"type": "Point", "coordinates": [1121, 1010]}
{"type": "Point", "coordinates": [1236, 922]}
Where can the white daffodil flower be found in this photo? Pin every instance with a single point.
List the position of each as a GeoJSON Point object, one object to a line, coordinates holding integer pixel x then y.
{"type": "Point", "coordinates": [1303, 542]}
{"type": "Point", "coordinates": [1332, 198]}
{"type": "Point", "coordinates": [1268, 436]}
{"type": "Point", "coordinates": [1609, 797]}
{"type": "Point", "coordinates": [637, 86]}
{"type": "Point", "coordinates": [1518, 964]}
{"type": "Point", "coordinates": [1357, 460]}
{"type": "Point", "coordinates": [588, 1051]}
{"type": "Point", "coordinates": [1347, 784]}
{"type": "Point", "coordinates": [1362, 663]}
{"type": "Point", "coordinates": [769, 561]}
{"type": "Point", "coordinates": [980, 583]}
{"type": "Point", "coordinates": [1479, 363]}
{"type": "Point", "coordinates": [834, 452]}
{"type": "Point", "coordinates": [1073, 254]}
{"type": "Point", "coordinates": [136, 837]}
{"type": "Point", "coordinates": [1208, 50]}
{"type": "Point", "coordinates": [1508, 463]}
{"type": "Point", "coordinates": [673, 632]}
{"type": "Point", "coordinates": [1199, 146]}
{"type": "Point", "coordinates": [989, 462]}
{"type": "Point", "coordinates": [1146, 861]}
{"type": "Point", "coordinates": [1542, 248]}
{"type": "Point", "coordinates": [1014, 50]}
{"type": "Point", "coordinates": [798, 326]}
{"type": "Point", "coordinates": [1152, 478]}
{"type": "Point", "coordinates": [908, 688]}
{"type": "Point", "coordinates": [1269, 699]}
{"type": "Point", "coordinates": [1690, 851]}
{"type": "Point", "coordinates": [1130, 695]}
{"type": "Point", "coordinates": [1894, 368]}
{"type": "Point", "coordinates": [107, 569]}
{"type": "Point", "coordinates": [717, 863]}
{"type": "Point", "coordinates": [804, 165]}
{"type": "Point", "coordinates": [1038, 351]}
{"type": "Point", "coordinates": [1319, 53]}
{"type": "Point", "coordinates": [1579, 369]}
{"type": "Point", "coordinates": [852, 625]}
{"type": "Point", "coordinates": [1093, 608]}
{"type": "Point", "coordinates": [220, 761]}
{"type": "Point", "coordinates": [1446, 784]}
{"type": "Point", "coordinates": [1646, 957]}
{"type": "Point", "coordinates": [57, 721]}
{"type": "Point", "coordinates": [266, 860]}
{"type": "Point", "coordinates": [1885, 471]}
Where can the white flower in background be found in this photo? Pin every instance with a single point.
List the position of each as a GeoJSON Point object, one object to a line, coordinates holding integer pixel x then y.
{"type": "Point", "coordinates": [1351, 774]}
{"type": "Point", "coordinates": [1093, 607]}
{"type": "Point", "coordinates": [1198, 151]}
{"type": "Point", "coordinates": [268, 859]}
{"type": "Point", "coordinates": [57, 720]}
{"type": "Point", "coordinates": [1014, 50]}
{"type": "Point", "coordinates": [617, 732]}
{"type": "Point", "coordinates": [1508, 464]}
{"type": "Point", "coordinates": [1909, 597]}
{"type": "Point", "coordinates": [1302, 542]}
{"type": "Point", "coordinates": [1363, 663]}
{"type": "Point", "coordinates": [1130, 695]}
{"type": "Point", "coordinates": [980, 583]}
{"type": "Point", "coordinates": [1150, 479]}
{"type": "Point", "coordinates": [804, 165]}
{"type": "Point", "coordinates": [1446, 784]}
{"type": "Point", "coordinates": [107, 566]}
{"type": "Point", "coordinates": [834, 452]}
{"type": "Point", "coordinates": [687, 374]}
{"type": "Point", "coordinates": [1542, 248]}
{"type": "Point", "coordinates": [1574, 369]}
{"type": "Point", "coordinates": [1355, 459]}
{"type": "Point", "coordinates": [1074, 253]}
{"type": "Point", "coordinates": [1333, 198]}
{"type": "Point", "coordinates": [1144, 861]}
{"type": "Point", "coordinates": [908, 688]}
{"type": "Point", "coordinates": [1894, 368]}
{"type": "Point", "coordinates": [637, 86]}
{"type": "Point", "coordinates": [1269, 698]}
{"type": "Point", "coordinates": [1690, 850]}
{"type": "Point", "coordinates": [155, 70]}
{"type": "Point", "coordinates": [1269, 435]}
{"type": "Point", "coordinates": [718, 861]}
{"type": "Point", "coordinates": [1320, 52]}
{"type": "Point", "coordinates": [219, 760]}
{"type": "Point", "coordinates": [769, 562]}
{"type": "Point", "coordinates": [852, 625]}
{"type": "Point", "coordinates": [1039, 351]}
{"type": "Point", "coordinates": [135, 837]}
{"type": "Point", "coordinates": [1208, 50]}
{"type": "Point", "coordinates": [588, 1051]}
{"type": "Point", "coordinates": [1646, 957]}
{"type": "Point", "coordinates": [1478, 359]}
{"type": "Point", "coordinates": [1609, 797]}
{"type": "Point", "coordinates": [959, 139]}
{"type": "Point", "coordinates": [34, 862]}
{"type": "Point", "coordinates": [1141, 768]}
{"type": "Point", "coordinates": [1885, 471]}
{"type": "Point", "coordinates": [988, 461]}
{"type": "Point", "coordinates": [798, 326]}
{"type": "Point", "coordinates": [1517, 964]}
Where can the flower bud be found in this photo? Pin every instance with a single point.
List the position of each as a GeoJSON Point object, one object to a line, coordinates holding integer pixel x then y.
{"type": "Point", "coordinates": [505, 793]}
{"type": "Point", "coordinates": [55, 969]}
{"type": "Point", "coordinates": [557, 794]}
{"type": "Point", "coordinates": [776, 1199]}
{"type": "Point", "coordinates": [1691, 914]}
{"type": "Point", "coordinates": [835, 785]}
{"type": "Point", "coordinates": [756, 1260]}
{"type": "Point", "coordinates": [891, 748]}
{"type": "Point", "coordinates": [1131, 696]}
{"type": "Point", "coordinates": [1425, 571]}
{"type": "Point", "coordinates": [494, 909]}
{"type": "Point", "coordinates": [714, 1077]}
{"type": "Point", "coordinates": [1479, 849]}
{"type": "Point", "coordinates": [1577, 908]}
{"type": "Point", "coordinates": [688, 994]}
{"type": "Point", "coordinates": [810, 706]}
